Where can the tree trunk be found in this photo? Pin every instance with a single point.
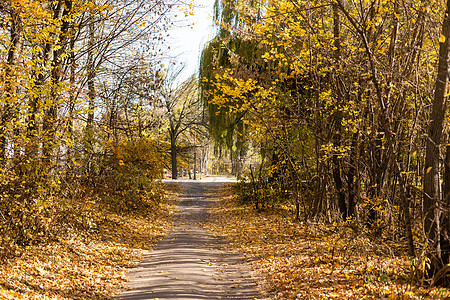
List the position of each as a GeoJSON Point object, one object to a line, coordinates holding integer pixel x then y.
{"type": "Point", "coordinates": [89, 128]}
{"type": "Point", "coordinates": [32, 147]}
{"type": "Point", "coordinates": [90, 70]}
{"type": "Point", "coordinates": [445, 222]}
{"type": "Point", "coordinates": [432, 196]}
{"type": "Point", "coordinates": [10, 89]}
{"type": "Point", "coordinates": [195, 163]}
{"type": "Point", "coordinates": [351, 176]}
{"type": "Point", "coordinates": [70, 149]}
{"type": "Point", "coordinates": [173, 154]}
{"type": "Point", "coordinates": [337, 118]}
{"type": "Point", "coordinates": [50, 115]}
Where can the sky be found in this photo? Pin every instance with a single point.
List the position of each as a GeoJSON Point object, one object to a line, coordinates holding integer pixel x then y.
{"type": "Point", "coordinates": [187, 43]}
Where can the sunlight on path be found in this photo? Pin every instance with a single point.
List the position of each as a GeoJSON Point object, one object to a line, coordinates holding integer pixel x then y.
{"type": "Point", "coordinates": [192, 263]}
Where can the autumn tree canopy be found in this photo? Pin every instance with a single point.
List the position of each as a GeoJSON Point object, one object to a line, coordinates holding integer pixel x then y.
{"type": "Point", "coordinates": [345, 103]}
{"type": "Point", "coordinates": [78, 100]}
{"type": "Point", "coordinates": [332, 110]}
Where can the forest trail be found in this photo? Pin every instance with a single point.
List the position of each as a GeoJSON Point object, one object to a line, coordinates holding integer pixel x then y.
{"type": "Point", "coordinates": [191, 263]}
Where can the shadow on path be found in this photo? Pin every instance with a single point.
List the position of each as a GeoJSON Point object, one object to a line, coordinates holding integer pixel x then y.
{"type": "Point", "coordinates": [191, 263]}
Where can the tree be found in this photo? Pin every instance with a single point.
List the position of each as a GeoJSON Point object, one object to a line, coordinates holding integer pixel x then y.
{"type": "Point", "coordinates": [435, 200]}
{"type": "Point", "coordinates": [53, 57]}
{"type": "Point", "coordinates": [10, 86]}
{"type": "Point", "coordinates": [348, 132]}
{"type": "Point", "coordinates": [183, 111]}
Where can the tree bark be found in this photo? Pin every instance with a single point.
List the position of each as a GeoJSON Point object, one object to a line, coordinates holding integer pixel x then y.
{"type": "Point", "coordinates": [195, 163]}
{"type": "Point", "coordinates": [89, 128]}
{"type": "Point", "coordinates": [173, 154]}
{"type": "Point", "coordinates": [432, 196]}
{"type": "Point", "coordinates": [70, 149]}
{"type": "Point", "coordinates": [62, 11]}
{"type": "Point", "coordinates": [8, 112]}
{"type": "Point", "coordinates": [90, 70]}
{"type": "Point", "coordinates": [337, 119]}
{"type": "Point", "coordinates": [445, 223]}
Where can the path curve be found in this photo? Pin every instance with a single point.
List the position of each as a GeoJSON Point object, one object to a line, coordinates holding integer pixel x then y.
{"type": "Point", "coordinates": [191, 263]}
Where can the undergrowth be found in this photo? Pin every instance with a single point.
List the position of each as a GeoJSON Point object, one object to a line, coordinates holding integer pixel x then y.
{"type": "Point", "coordinates": [87, 261]}
{"type": "Point", "coordinates": [298, 260]}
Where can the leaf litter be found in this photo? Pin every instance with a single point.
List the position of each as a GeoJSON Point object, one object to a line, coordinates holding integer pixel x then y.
{"type": "Point", "coordinates": [86, 264]}
{"type": "Point", "coordinates": [297, 260]}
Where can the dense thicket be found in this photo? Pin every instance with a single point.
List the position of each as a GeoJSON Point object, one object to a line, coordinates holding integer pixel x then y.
{"type": "Point", "coordinates": [345, 103]}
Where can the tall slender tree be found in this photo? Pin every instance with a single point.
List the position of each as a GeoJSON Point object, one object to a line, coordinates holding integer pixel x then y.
{"type": "Point", "coordinates": [434, 204]}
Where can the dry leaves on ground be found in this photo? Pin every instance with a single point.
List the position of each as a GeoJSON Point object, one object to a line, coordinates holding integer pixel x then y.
{"type": "Point", "coordinates": [314, 261]}
{"type": "Point", "coordinates": [85, 265]}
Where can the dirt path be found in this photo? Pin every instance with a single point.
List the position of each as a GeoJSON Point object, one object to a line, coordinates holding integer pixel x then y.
{"type": "Point", "coordinates": [192, 263]}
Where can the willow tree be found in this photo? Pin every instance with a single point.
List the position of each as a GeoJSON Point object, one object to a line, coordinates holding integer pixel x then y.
{"type": "Point", "coordinates": [226, 127]}
{"type": "Point", "coordinates": [229, 49]}
{"type": "Point", "coordinates": [361, 102]}
{"type": "Point", "coordinates": [247, 95]}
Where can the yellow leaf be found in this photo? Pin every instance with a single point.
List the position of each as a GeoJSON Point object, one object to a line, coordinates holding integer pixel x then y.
{"type": "Point", "coordinates": [429, 169]}
{"type": "Point", "coordinates": [442, 39]}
